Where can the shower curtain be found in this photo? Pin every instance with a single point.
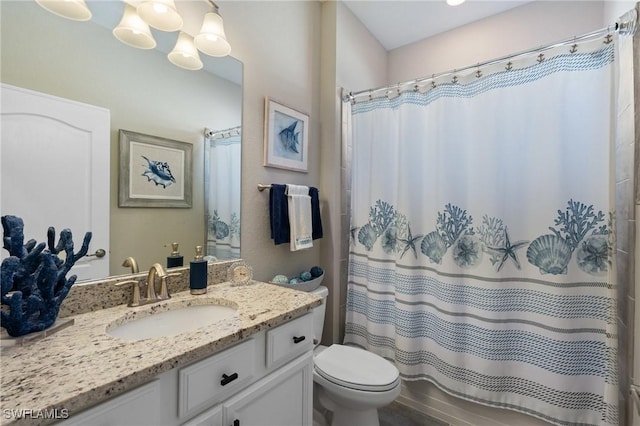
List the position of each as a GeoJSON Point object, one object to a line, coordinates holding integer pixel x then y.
{"type": "Point", "coordinates": [222, 186]}
{"type": "Point", "coordinates": [482, 236]}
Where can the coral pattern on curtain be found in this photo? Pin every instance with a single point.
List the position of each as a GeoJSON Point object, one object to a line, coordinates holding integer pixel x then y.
{"type": "Point", "coordinates": [481, 253]}
{"type": "Point", "coordinates": [222, 159]}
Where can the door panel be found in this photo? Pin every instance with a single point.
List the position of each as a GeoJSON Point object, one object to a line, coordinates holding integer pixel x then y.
{"type": "Point", "coordinates": [54, 167]}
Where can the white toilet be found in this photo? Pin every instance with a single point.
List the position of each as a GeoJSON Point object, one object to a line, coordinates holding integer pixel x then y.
{"type": "Point", "coordinates": [350, 381]}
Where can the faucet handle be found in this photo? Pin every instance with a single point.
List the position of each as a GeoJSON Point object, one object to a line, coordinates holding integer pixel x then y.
{"type": "Point", "coordinates": [135, 299]}
{"type": "Point", "coordinates": [164, 290]}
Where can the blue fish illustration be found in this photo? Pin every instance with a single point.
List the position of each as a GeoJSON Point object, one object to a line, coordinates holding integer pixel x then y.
{"type": "Point", "coordinates": [158, 172]}
{"type": "Point", "coordinates": [289, 138]}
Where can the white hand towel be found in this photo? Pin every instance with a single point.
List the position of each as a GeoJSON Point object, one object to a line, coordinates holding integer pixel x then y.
{"type": "Point", "coordinates": [299, 217]}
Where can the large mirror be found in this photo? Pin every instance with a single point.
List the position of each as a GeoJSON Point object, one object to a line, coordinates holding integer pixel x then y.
{"type": "Point", "coordinates": [147, 94]}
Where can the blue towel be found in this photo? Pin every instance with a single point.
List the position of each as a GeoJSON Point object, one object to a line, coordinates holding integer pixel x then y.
{"type": "Point", "coordinates": [279, 214]}
{"type": "Point", "coordinates": [316, 222]}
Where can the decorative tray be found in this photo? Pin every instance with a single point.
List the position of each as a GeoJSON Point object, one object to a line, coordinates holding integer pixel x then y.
{"type": "Point", "coordinates": [303, 285]}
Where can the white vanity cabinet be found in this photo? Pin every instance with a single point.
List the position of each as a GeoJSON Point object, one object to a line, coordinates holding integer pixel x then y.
{"type": "Point", "coordinates": [264, 380]}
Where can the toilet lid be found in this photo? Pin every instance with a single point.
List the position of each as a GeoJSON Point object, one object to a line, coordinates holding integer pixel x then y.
{"type": "Point", "coordinates": [356, 368]}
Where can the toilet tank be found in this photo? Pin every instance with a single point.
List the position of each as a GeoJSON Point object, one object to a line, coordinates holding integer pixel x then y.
{"type": "Point", "coordinates": [318, 313]}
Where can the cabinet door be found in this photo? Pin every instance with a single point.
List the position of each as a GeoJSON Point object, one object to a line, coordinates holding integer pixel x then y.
{"type": "Point", "coordinates": [140, 406]}
{"type": "Point", "coordinates": [283, 398]}
{"type": "Point", "coordinates": [212, 417]}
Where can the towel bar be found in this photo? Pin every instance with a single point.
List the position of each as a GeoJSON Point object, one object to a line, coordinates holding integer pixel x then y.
{"type": "Point", "coordinates": [262, 186]}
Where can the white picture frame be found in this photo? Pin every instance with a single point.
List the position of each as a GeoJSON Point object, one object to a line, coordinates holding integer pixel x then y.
{"type": "Point", "coordinates": [286, 137]}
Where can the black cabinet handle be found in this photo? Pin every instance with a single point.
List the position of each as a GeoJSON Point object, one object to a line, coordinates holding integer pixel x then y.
{"type": "Point", "coordinates": [236, 422]}
{"type": "Point", "coordinates": [298, 339]}
{"type": "Point", "coordinates": [228, 379]}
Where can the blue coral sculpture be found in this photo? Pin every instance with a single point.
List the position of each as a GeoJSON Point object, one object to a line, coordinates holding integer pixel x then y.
{"type": "Point", "coordinates": [33, 279]}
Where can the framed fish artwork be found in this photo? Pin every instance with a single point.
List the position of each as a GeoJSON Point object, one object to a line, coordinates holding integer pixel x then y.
{"type": "Point", "coordinates": [154, 171]}
{"type": "Point", "coordinates": [286, 137]}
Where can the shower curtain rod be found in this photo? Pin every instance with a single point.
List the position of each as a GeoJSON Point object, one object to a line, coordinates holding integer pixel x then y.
{"type": "Point", "coordinates": [620, 26]}
{"type": "Point", "coordinates": [208, 133]}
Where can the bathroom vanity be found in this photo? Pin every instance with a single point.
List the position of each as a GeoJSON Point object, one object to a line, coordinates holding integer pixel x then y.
{"type": "Point", "coordinates": [254, 368]}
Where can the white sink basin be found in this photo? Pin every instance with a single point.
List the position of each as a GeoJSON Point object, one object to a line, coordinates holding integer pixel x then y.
{"type": "Point", "coordinates": [172, 322]}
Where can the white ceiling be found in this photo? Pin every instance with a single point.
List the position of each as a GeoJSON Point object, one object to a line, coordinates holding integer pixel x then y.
{"type": "Point", "coordinates": [400, 22]}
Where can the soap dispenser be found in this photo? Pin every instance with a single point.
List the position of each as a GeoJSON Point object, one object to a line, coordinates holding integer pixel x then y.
{"type": "Point", "coordinates": [198, 273]}
{"type": "Point", "coordinates": [175, 259]}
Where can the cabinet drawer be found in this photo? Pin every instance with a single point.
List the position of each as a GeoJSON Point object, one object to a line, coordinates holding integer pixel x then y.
{"type": "Point", "coordinates": [289, 340]}
{"type": "Point", "coordinates": [215, 378]}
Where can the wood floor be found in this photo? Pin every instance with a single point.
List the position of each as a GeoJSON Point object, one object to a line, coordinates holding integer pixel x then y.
{"type": "Point", "coordinates": [392, 415]}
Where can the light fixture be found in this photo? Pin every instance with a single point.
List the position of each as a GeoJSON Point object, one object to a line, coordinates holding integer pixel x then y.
{"type": "Point", "coordinates": [185, 54]}
{"type": "Point", "coordinates": [133, 31]}
{"type": "Point", "coordinates": [455, 2]}
{"type": "Point", "coordinates": [160, 14]}
{"type": "Point", "coordinates": [211, 39]}
{"type": "Point", "coordinates": [76, 10]}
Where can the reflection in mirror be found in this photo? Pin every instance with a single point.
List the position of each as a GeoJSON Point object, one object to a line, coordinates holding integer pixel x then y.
{"type": "Point", "coordinates": [144, 93]}
{"type": "Point", "coordinates": [222, 192]}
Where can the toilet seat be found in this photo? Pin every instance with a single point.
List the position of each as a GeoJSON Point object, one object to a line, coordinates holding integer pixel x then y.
{"type": "Point", "coordinates": [356, 369]}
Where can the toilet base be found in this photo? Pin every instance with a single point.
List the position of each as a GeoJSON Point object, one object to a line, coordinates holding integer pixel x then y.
{"type": "Point", "coordinates": [346, 416]}
{"type": "Point", "coordinates": [355, 417]}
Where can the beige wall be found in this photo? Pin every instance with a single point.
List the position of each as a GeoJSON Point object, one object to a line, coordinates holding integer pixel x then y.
{"type": "Point", "coordinates": [525, 27]}
{"type": "Point", "coordinates": [351, 58]}
{"type": "Point", "coordinates": [278, 42]}
{"type": "Point", "coordinates": [144, 92]}
{"type": "Point", "coordinates": [361, 59]}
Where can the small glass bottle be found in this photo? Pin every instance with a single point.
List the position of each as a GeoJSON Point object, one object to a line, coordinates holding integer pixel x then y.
{"type": "Point", "coordinates": [198, 273]}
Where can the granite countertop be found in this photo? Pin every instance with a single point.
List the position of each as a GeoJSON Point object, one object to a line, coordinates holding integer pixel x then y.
{"type": "Point", "coordinates": [82, 365]}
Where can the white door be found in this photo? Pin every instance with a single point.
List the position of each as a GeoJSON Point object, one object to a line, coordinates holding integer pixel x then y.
{"type": "Point", "coordinates": [54, 171]}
